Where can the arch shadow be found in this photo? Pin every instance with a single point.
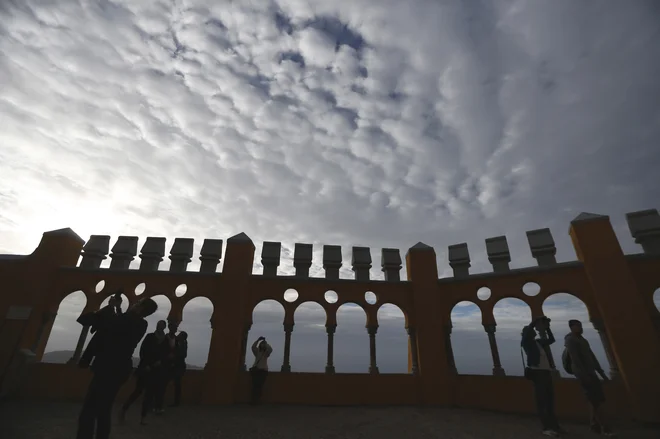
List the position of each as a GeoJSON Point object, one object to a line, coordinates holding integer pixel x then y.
{"type": "Point", "coordinates": [469, 341]}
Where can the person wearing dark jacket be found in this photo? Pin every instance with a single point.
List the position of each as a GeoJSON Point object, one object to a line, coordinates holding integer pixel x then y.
{"type": "Point", "coordinates": [540, 372]}
{"type": "Point", "coordinates": [112, 365]}
{"type": "Point", "coordinates": [96, 321]}
{"type": "Point", "coordinates": [168, 365]}
{"type": "Point", "coordinates": [179, 365]}
{"type": "Point", "coordinates": [586, 369]}
{"type": "Point", "coordinates": [148, 372]}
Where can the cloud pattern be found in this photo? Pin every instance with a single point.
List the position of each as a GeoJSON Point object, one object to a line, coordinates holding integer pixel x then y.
{"type": "Point", "coordinates": [371, 123]}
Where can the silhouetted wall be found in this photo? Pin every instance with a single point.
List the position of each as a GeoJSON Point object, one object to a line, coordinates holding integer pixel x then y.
{"type": "Point", "coordinates": [616, 289]}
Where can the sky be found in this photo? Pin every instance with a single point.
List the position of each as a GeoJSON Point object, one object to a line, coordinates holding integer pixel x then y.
{"type": "Point", "coordinates": [373, 123]}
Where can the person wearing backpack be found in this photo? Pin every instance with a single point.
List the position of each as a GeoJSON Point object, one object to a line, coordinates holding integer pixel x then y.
{"type": "Point", "coordinates": [539, 372]}
{"type": "Point", "coordinates": [578, 359]}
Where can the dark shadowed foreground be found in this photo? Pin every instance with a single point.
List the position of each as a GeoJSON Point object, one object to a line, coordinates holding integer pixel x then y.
{"type": "Point", "coordinates": [58, 421]}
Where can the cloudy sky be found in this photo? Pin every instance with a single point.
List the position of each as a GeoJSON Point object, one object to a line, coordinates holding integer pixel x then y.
{"type": "Point", "coordinates": [376, 122]}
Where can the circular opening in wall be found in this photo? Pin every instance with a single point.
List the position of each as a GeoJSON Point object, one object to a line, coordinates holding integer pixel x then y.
{"type": "Point", "coordinates": [331, 297]}
{"type": "Point", "coordinates": [140, 289]}
{"type": "Point", "coordinates": [99, 286]}
{"type": "Point", "coordinates": [181, 290]}
{"type": "Point", "coordinates": [291, 295]}
{"type": "Point", "coordinates": [370, 298]}
{"type": "Point", "coordinates": [483, 293]}
{"type": "Point", "coordinates": [531, 289]}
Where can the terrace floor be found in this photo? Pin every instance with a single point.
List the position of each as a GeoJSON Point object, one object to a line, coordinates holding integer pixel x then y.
{"type": "Point", "coordinates": [23, 420]}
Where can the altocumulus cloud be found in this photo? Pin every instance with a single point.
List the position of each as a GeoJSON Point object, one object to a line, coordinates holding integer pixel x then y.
{"type": "Point", "coordinates": [375, 123]}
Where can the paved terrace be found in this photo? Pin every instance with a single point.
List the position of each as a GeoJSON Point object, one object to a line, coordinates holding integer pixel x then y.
{"type": "Point", "coordinates": [23, 420]}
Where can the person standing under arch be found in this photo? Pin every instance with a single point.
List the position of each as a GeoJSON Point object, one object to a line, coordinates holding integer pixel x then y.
{"type": "Point", "coordinates": [259, 370]}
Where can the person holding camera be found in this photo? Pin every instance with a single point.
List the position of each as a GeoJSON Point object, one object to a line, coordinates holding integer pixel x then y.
{"type": "Point", "coordinates": [539, 372]}
{"type": "Point", "coordinates": [97, 320]}
{"type": "Point", "coordinates": [579, 360]}
{"type": "Point", "coordinates": [259, 370]}
{"type": "Point", "coordinates": [112, 366]}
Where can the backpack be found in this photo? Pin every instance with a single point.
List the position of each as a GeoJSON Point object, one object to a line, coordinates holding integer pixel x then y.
{"type": "Point", "coordinates": [566, 361]}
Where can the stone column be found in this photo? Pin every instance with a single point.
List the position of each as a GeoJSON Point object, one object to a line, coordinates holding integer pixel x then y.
{"type": "Point", "coordinates": [244, 343]}
{"type": "Point", "coordinates": [412, 339]}
{"type": "Point", "coordinates": [330, 367]}
{"type": "Point", "coordinates": [373, 367]}
{"type": "Point", "coordinates": [79, 346]}
{"type": "Point", "coordinates": [602, 333]}
{"type": "Point", "coordinates": [497, 366]}
{"type": "Point", "coordinates": [288, 329]}
{"type": "Point", "coordinates": [450, 349]}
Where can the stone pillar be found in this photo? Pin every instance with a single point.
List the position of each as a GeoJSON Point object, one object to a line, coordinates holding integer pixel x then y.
{"type": "Point", "coordinates": [542, 245]}
{"type": "Point", "coordinates": [123, 252]}
{"type": "Point", "coordinates": [95, 251]}
{"type": "Point", "coordinates": [412, 342]}
{"type": "Point", "coordinates": [302, 259]}
{"type": "Point", "coordinates": [373, 367]}
{"type": "Point", "coordinates": [361, 261]}
{"type": "Point", "coordinates": [230, 316]}
{"type": "Point", "coordinates": [152, 253]}
{"type": "Point", "coordinates": [435, 383]}
{"type": "Point", "coordinates": [288, 329]}
{"type": "Point", "coordinates": [602, 333]}
{"type": "Point", "coordinates": [618, 297]}
{"type": "Point", "coordinates": [270, 257]}
{"type": "Point", "coordinates": [330, 367]}
{"type": "Point", "coordinates": [390, 262]}
{"type": "Point", "coordinates": [181, 254]}
{"type": "Point", "coordinates": [79, 346]}
{"type": "Point", "coordinates": [450, 349]}
{"type": "Point", "coordinates": [210, 255]}
{"type": "Point", "coordinates": [244, 344]}
{"type": "Point", "coordinates": [498, 253]}
{"type": "Point", "coordinates": [459, 260]}
{"type": "Point", "coordinates": [332, 261]}
{"type": "Point", "coordinates": [497, 365]}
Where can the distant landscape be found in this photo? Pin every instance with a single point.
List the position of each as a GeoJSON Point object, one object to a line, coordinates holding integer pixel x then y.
{"type": "Point", "coordinates": [61, 357]}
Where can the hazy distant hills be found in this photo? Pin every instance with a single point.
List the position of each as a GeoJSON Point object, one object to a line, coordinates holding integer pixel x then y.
{"type": "Point", "coordinates": [64, 356]}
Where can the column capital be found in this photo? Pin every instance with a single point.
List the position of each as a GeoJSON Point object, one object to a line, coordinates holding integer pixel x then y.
{"type": "Point", "coordinates": [598, 324]}
{"type": "Point", "coordinates": [411, 330]}
{"type": "Point", "coordinates": [372, 330]}
{"type": "Point", "coordinates": [330, 329]}
{"type": "Point", "coordinates": [288, 327]}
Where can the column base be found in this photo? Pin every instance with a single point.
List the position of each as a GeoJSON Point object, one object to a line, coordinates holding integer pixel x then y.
{"type": "Point", "coordinates": [373, 370]}
{"type": "Point", "coordinates": [285, 368]}
{"type": "Point", "coordinates": [330, 369]}
{"type": "Point", "coordinates": [498, 372]}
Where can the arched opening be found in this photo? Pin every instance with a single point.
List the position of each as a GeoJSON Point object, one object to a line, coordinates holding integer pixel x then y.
{"type": "Point", "coordinates": [64, 335]}
{"type": "Point", "coordinates": [468, 341]}
{"type": "Point", "coordinates": [351, 341]}
{"type": "Point", "coordinates": [196, 321]}
{"type": "Point", "coordinates": [164, 306]}
{"type": "Point", "coordinates": [656, 299]}
{"type": "Point", "coordinates": [391, 340]}
{"type": "Point", "coordinates": [511, 315]}
{"type": "Point", "coordinates": [562, 307]}
{"type": "Point", "coordinates": [309, 340]}
{"type": "Point", "coordinates": [267, 321]}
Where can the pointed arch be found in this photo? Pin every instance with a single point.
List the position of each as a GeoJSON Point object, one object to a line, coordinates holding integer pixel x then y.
{"type": "Point", "coordinates": [511, 315]}
{"type": "Point", "coordinates": [64, 334]}
{"type": "Point", "coordinates": [468, 340]}
{"type": "Point", "coordinates": [391, 340]}
{"type": "Point", "coordinates": [309, 340]}
{"type": "Point", "coordinates": [351, 343]}
{"type": "Point", "coordinates": [196, 321]}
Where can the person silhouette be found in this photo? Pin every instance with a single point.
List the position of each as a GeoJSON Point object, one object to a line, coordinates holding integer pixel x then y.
{"type": "Point", "coordinates": [259, 370]}
{"type": "Point", "coordinates": [111, 367]}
